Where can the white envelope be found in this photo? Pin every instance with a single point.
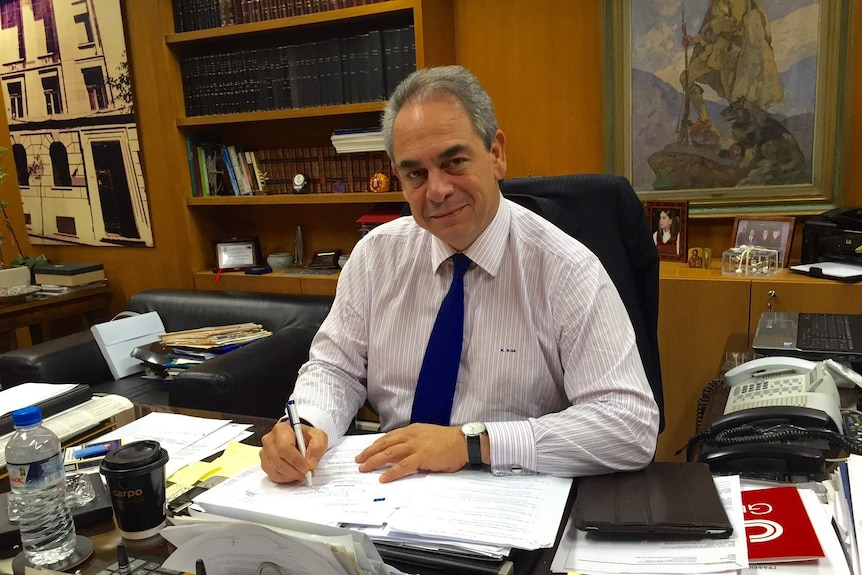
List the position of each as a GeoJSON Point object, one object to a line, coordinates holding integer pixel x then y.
{"type": "Point", "coordinates": [118, 338]}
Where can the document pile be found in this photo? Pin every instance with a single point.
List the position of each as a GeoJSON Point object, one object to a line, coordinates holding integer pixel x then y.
{"type": "Point", "coordinates": [469, 512]}
{"type": "Point", "coordinates": [296, 547]}
{"type": "Point", "coordinates": [588, 554]}
{"type": "Point", "coordinates": [215, 337]}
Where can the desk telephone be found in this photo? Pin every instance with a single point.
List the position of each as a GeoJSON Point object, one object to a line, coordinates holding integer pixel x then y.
{"type": "Point", "coordinates": [781, 420]}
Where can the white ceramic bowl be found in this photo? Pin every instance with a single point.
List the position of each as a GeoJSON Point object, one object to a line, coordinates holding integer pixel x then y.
{"type": "Point", "coordinates": [280, 260]}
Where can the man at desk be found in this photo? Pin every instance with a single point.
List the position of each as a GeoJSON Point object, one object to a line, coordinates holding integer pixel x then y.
{"type": "Point", "coordinates": [548, 378]}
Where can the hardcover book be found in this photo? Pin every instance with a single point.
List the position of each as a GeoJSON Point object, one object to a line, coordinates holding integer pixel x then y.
{"type": "Point", "coordinates": [778, 527]}
{"type": "Point", "coordinates": [69, 274]}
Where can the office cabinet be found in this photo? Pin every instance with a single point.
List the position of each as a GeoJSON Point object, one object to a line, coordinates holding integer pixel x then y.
{"type": "Point", "coordinates": [704, 314]}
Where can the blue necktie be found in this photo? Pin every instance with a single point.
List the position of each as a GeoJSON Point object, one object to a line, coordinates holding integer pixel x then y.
{"type": "Point", "coordinates": [435, 390]}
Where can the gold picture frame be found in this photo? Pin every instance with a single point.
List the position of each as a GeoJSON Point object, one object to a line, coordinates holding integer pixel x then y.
{"type": "Point", "coordinates": [732, 166]}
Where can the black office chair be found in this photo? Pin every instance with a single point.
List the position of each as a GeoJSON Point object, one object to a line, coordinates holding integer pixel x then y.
{"type": "Point", "coordinates": [603, 212]}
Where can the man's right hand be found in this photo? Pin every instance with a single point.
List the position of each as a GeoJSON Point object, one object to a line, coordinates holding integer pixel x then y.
{"type": "Point", "coordinates": [690, 41]}
{"type": "Point", "coordinates": [280, 458]}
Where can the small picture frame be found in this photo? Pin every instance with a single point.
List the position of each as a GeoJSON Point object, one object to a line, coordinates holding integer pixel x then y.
{"type": "Point", "coordinates": [236, 254]}
{"type": "Point", "coordinates": [669, 225]}
{"type": "Point", "coordinates": [774, 232]}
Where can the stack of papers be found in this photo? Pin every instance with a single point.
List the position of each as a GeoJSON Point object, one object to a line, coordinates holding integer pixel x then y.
{"type": "Point", "coordinates": [469, 511]}
{"type": "Point", "coordinates": [296, 547]}
{"type": "Point", "coordinates": [187, 439]}
{"type": "Point", "coordinates": [588, 555]}
{"type": "Point", "coordinates": [362, 140]}
{"type": "Point", "coordinates": [213, 337]}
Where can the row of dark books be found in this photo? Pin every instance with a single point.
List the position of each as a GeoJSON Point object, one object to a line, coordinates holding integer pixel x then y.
{"type": "Point", "coordinates": [227, 170]}
{"type": "Point", "coordinates": [361, 68]}
{"type": "Point", "coordinates": [202, 14]}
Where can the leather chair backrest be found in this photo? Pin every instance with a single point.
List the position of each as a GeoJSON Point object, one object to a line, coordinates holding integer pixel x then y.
{"type": "Point", "coordinates": [604, 213]}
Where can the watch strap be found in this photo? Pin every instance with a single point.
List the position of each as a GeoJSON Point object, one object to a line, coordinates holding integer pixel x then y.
{"type": "Point", "coordinates": [474, 450]}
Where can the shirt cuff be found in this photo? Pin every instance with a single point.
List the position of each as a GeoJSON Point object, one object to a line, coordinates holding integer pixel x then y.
{"type": "Point", "coordinates": [513, 448]}
{"type": "Point", "coordinates": [317, 418]}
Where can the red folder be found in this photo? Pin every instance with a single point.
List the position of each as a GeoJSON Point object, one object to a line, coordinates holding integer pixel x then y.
{"type": "Point", "coordinates": [778, 527]}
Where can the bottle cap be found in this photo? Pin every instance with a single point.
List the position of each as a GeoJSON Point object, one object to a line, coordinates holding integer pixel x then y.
{"type": "Point", "coordinates": [27, 416]}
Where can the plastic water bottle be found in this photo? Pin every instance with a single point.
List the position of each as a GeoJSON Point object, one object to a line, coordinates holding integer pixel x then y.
{"type": "Point", "coordinates": [35, 464]}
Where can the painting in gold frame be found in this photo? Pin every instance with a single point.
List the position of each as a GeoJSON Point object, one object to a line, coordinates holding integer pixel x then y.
{"type": "Point", "coordinates": [689, 123]}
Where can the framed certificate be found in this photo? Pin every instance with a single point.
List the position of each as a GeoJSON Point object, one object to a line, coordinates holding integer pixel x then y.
{"type": "Point", "coordinates": [237, 254]}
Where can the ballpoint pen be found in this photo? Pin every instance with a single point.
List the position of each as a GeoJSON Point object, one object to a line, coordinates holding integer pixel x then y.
{"type": "Point", "coordinates": [293, 415]}
{"type": "Point", "coordinates": [96, 450]}
{"type": "Point", "coordinates": [122, 560]}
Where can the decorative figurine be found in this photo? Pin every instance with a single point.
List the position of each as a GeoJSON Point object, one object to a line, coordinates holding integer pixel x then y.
{"type": "Point", "coordinates": [298, 247]}
{"type": "Point", "coordinates": [300, 184]}
{"type": "Point", "coordinates": [379, 182]}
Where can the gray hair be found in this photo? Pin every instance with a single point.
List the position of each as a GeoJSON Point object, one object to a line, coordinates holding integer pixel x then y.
{"type": "Point", "coordinates": [435, 83]}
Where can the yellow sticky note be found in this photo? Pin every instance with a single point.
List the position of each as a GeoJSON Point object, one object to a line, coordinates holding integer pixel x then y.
{"type": "Point", "coordinates": [191, 474]}
{"type": "Point", "coordinates": [236, 457]}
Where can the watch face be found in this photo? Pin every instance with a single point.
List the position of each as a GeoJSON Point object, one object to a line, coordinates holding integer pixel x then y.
{"type": "Point", "coordinates": [473, 428]}
{"type": "Point", "coordinates": [299, 180]}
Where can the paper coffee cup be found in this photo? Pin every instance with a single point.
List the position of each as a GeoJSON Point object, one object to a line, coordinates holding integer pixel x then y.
{"type": "Point", "coordinates": [135, 474]}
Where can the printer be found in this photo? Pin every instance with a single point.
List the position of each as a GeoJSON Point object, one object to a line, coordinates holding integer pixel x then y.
{"type": "Point", "coordinates": [833, 236]}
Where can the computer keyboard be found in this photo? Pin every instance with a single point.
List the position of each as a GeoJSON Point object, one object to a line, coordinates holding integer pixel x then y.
{"type": "Point", "coordinates": [824, 332]}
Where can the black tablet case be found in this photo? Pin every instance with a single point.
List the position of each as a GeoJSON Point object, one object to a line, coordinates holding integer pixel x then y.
{"type": "Point", "coordinates": [96, 511]}
{"type": "Point", "coordinates": [661, 500]}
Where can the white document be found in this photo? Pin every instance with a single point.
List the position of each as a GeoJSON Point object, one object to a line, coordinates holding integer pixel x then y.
{"type": "Point", "coordinates": [580, 553]}
{"type": "Point", "coordinates": [518, 511]}
{"type": "Point", "coordinates": [833, 270]}
{"type": "Point", "coordinates": [173, 431]}
{"type": "Point", "coordinates": [340, 493]}
{"type": "Point", "coordinates": [26, 394]}
{"type": "Point", "coordinates": [469, 507]}
{"type": "Point", "coordinates": [73, 421]}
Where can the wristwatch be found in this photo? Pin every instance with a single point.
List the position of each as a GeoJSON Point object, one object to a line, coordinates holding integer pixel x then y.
{"type": "Point", "coordinates": [473, 432]}
{"type": "Point", "coordinates": [300, 183]}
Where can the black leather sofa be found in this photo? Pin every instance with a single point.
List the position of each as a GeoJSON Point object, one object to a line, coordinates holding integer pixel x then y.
{"type": "Point", "coordinates": [253, 380]}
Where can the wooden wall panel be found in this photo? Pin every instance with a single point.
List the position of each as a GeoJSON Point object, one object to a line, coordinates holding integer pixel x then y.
{"type": "Point", "coordinates": [9, 192]}
{"type": "Point", "coordinates": [541, 62]}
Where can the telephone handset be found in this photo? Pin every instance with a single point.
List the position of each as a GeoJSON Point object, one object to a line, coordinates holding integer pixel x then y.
{"type": "Point", "coordinates": [781, 421]}
{"type": "Point", "coordinates": [783, 382]}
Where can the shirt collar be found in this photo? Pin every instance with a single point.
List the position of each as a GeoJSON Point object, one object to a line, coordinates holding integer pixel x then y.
{"type": "Point", "coordinates": [487, 251]}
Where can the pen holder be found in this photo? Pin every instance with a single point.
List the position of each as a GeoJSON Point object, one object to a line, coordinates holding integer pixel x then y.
{"type": "Point", "coordinates": [749, 261]}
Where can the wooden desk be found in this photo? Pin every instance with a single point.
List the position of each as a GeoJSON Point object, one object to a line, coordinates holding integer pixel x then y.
{"type": "Point", "coordinates": [89, 305]}
{"type": "Point", "coordinates": [106, 536]}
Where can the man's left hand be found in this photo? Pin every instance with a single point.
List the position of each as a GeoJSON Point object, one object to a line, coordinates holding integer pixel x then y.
{"type": "Point", "coordinates": [418, 446]}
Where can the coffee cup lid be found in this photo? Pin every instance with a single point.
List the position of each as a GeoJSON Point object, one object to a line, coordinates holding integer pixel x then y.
{"type": "Point", "coordinates": [133, 455]}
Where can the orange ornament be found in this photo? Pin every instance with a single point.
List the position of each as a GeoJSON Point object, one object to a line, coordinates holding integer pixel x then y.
{"type": "Point", "coordinates": [379, 182]}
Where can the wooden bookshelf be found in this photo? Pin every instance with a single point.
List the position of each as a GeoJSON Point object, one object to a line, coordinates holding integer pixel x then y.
{"type": "Point", "coordinates": [328, 220]}
{"type": "Point", "coordinates": [273, 115]}
{"type": "Point", "coordinates": [297, 199]}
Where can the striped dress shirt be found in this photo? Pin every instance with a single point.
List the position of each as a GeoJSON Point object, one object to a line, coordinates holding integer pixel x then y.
{"type": "Point", "coordinates": [549, 361]}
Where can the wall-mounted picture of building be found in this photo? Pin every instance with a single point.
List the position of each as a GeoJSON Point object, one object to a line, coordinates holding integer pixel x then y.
{"type": "Point", "coordinates": [66, 89]}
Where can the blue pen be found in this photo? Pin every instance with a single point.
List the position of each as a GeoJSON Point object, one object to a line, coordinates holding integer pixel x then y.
{"type": "Point", "coordinates": [94, 450]}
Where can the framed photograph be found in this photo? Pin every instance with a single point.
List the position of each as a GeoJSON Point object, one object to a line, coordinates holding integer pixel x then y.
{"type": "Point", "coordinates": [236, 254]}
{"type": "Point", "coordinates": [766, 232]}
{"type": "Point", "coordinates": [669, 225]}
{"type": "Point", "coordinates": [728, 104]}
